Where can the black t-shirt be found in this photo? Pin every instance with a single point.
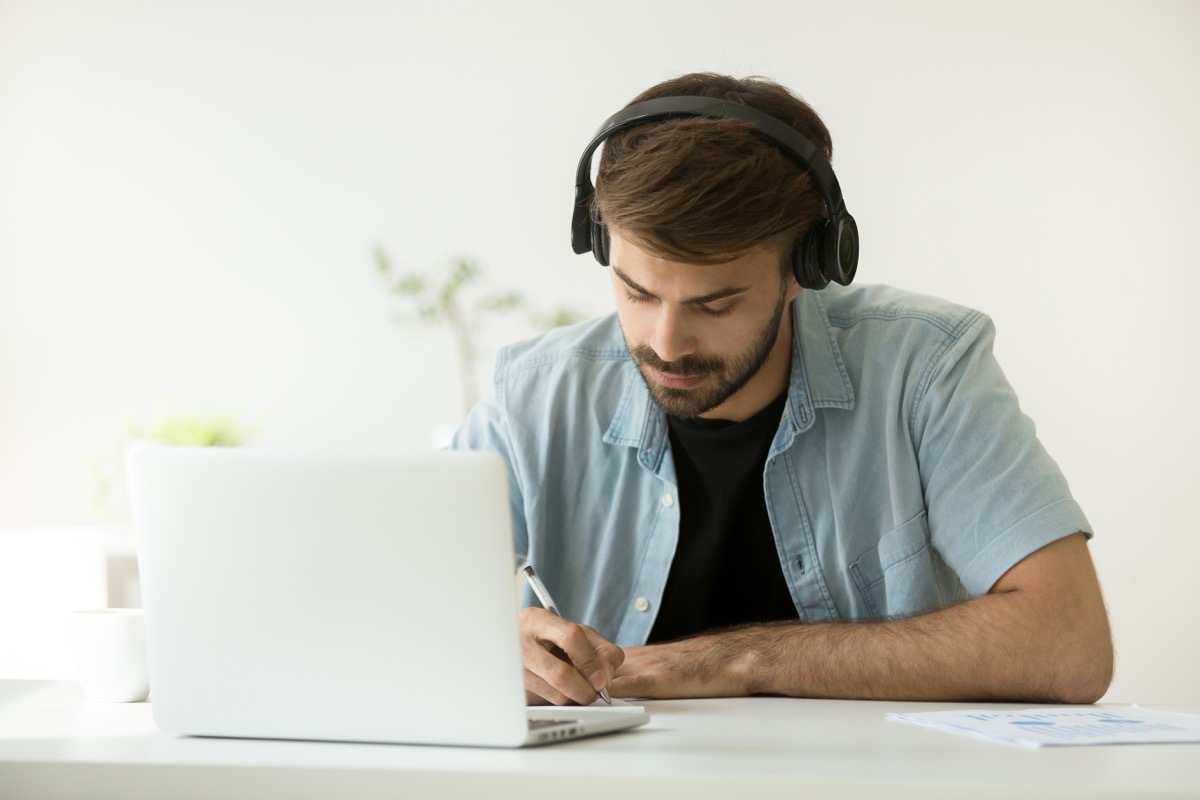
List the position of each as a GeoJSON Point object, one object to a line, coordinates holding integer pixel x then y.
{"type": "Point", "coordinates": [726, 569]}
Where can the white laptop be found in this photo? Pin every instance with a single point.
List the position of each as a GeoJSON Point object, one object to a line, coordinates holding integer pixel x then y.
{"type": "Point", "coordinates": [337, 597]}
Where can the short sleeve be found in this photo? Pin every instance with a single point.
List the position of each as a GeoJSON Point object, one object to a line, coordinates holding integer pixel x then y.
{"type": "Point", "coordinates": [487, 428]}
{"type": "Point", "coordinates": [993, 493]}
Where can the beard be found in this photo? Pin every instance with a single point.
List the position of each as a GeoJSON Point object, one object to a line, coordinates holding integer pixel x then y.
{"type": "Point", "coordinates": [726, 376]}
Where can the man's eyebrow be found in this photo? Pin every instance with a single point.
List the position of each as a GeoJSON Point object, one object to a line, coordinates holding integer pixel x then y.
{"type": "Point", "coordinates": [711, 297]}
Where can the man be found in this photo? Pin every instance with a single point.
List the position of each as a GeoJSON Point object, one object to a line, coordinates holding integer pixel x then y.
{"type": "Point", "coordinates": [739, 484]}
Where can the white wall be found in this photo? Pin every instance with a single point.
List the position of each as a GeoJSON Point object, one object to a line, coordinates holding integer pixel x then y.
{"type": "Point", "coordinates": [189, 193]}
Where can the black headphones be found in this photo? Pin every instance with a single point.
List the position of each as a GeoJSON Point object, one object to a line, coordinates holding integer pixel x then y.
{"type": "Point", "coordinates": [828, 251]}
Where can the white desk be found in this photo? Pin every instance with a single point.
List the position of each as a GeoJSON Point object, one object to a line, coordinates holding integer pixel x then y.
{"type": "Point", "coordinates": [55, 744]}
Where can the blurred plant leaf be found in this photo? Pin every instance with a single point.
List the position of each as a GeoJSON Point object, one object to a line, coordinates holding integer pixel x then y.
{"type": "Point", "coordinates": [558, 318]}
{"type": "Point", "coordinates": [218, 429]}
{"type": "Point", "coordinates": [501, 303]}
{"type": "Point", "coordinates": [448, 300]}
{"type": "Point", "coordinates": [411, 285]}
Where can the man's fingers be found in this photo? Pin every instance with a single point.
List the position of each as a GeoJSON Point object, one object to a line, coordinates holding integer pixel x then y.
{"type": "Point", "coordinates": [540, 693]}
{"type": "Point", "coordinates": [565, 661]}
{"type": "Point", "coordinates": [555, 679]}
{"type": "Point", "coordinates": [611, 657]}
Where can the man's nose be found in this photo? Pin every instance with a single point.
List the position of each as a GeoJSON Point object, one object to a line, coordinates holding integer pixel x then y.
{"type": "Point", "coordinates": [672, 338]}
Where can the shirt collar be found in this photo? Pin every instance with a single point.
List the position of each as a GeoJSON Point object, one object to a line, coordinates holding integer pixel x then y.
{"type": "Point", "coordinates": [639, 422]}
{"type": "Point", "coordinates": [819, 378]}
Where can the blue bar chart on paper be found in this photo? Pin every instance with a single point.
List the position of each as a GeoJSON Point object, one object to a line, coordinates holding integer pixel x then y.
{"type": "Point", "coordinates": [1041, 727]}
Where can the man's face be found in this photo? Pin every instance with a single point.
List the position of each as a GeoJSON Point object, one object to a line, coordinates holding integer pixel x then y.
{"type": "Point", "coordinates": [706, 338]}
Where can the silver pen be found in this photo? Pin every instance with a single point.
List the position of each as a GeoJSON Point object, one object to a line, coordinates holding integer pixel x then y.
{"type": "Point", "coordinates": [543, 596]}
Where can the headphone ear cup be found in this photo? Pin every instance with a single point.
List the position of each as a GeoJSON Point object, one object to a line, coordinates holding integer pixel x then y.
{"type": "Point", "coordinates": [600, 241]}
{"type": "Point", "coordinates": [840, 250]}
{"type": "Point", "coordinates": [806, 257]}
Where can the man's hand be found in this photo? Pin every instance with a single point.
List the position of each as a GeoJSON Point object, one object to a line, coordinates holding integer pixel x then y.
{"type": "Point", "coordinates": [565, 662]}
{"type": "Point", "coordinates": [714, 665]}
{"type": "Point", "coordinates": [1040, 635]}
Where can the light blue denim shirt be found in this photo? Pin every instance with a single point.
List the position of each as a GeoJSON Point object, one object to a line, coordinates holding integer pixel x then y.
{"type": "Point", "coordinates": [903, 477]}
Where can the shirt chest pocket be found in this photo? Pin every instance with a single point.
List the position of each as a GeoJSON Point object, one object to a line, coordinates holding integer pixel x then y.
{"type": "Point", "coordinates": [898, 577]}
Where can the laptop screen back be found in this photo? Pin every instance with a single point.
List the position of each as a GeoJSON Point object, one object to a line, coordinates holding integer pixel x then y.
{"type": "Point", "coordinates": [319, 596]}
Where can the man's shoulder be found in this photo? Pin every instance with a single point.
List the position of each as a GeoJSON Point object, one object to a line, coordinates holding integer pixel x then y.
{"type": "Point", "coordinates": [849, 307]}
{"type": "Point", "coordinates": [881, 333]}
{"type": "Point", "coordinates": [594, 343]}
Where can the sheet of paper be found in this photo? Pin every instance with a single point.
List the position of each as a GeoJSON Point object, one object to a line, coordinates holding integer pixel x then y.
{"type": "Point", "coordinates": [617, 703]}
{"type": "Point", "coordinates": [1050, 727]}
{"type": "Point", "coordinates": [597, 707]}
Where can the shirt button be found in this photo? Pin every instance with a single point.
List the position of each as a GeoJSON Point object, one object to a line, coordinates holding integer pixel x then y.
{"type": "Point", "coordinates": [668, 499]}
{"type": "Point", "coordinates": [641, 604]}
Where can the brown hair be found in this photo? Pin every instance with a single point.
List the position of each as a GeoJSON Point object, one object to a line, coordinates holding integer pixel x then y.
{"type": "Point", "coordinates": [703, 190]}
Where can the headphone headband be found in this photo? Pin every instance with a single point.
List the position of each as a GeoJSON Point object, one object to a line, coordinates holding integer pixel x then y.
{"type": "Point", "coordinates": [830, 253]}
{"type": "Point", "coordinates": [784, 136]}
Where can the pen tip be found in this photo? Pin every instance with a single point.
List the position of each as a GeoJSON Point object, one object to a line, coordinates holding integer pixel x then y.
{"type": "Point", "coordinates": [604, 695]}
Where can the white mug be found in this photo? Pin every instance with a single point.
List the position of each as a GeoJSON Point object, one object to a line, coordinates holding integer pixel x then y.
{"type": "Point", "coordinates": [108, 648]}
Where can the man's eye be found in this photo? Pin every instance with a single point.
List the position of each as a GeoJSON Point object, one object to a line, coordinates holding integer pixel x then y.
{"type": "Point", "coordinates": [636, 298]}
{"type": "Point", "coordinates": [718, 311]}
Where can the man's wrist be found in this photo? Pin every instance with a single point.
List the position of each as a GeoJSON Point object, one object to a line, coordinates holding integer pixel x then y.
{"type": "Point", "coordinates": [750, 661]}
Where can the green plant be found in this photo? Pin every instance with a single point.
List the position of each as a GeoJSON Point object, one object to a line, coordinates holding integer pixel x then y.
{"type": "Point", "coordinates": [214, 429]}
{"type": "Point", "coordinates": [456, 300]}
{"type": "Point", "coordinates": [105, 478]}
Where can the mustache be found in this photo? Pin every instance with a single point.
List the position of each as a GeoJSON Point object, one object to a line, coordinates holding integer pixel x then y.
{"type": "Point", "coordinates": [687, 365]}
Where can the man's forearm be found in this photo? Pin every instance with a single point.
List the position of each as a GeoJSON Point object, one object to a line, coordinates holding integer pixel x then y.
{"type": "Point", "coordinates": [1029, 640]}
{"type": "Point", "coordinates": [973, 651]}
